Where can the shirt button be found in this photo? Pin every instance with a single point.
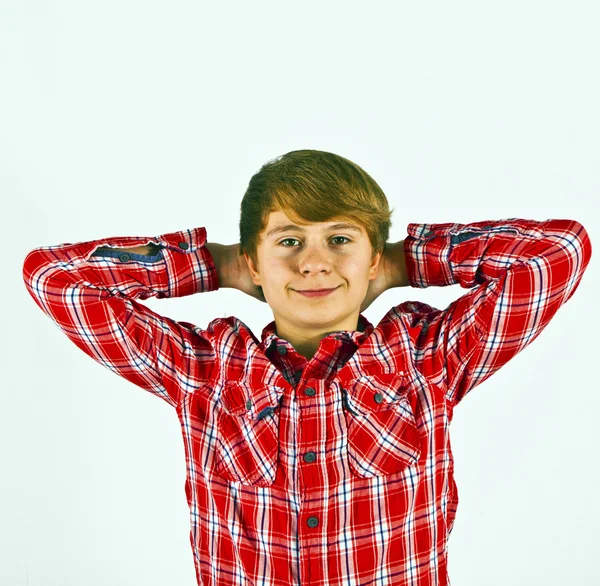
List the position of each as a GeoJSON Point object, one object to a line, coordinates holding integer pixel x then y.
{"type": "Point", "coordinates": [310, 391]}
{"type": "Point", "coordinates": [310, 457]}
{"type": "Point", "coordinates": [124, 257]}
{"type": "Point", "coordinates": [312, 521]}
{"type": "Point", "coordinates": [183, 245]}
{"type": "Point", "coordinates": [281, 349]}
{"type": "Point", "coordinates": [249, 405]}
{"type": "Point", "coordinates": [378, 398]}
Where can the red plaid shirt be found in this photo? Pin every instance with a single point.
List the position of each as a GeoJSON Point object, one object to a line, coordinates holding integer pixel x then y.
{"type": "Point", "coordinates": [336, 470]}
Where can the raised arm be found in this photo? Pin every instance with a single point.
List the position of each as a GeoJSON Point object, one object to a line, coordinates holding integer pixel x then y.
{"type": "Point", "coordinates": [520, 273]}
{"type": "Point", "coordinates": [92, 291]}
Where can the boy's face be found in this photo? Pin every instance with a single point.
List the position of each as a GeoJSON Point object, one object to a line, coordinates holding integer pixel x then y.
{"type": "Point", "coordinates": [316, 256]}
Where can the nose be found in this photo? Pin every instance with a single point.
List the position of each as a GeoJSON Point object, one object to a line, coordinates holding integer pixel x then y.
{"type": "Point", "coordinates": [315, 259]}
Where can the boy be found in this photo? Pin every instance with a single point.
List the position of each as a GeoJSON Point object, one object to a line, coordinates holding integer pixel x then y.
{"type": "Point", "coordinates": [318, 454]}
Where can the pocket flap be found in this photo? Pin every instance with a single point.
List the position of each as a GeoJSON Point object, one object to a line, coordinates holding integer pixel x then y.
{"type": "Point", "coordinates": [239, 399]}
{"type": "Point", "coordinates": [383, 437]}
{"type": "Point", "coordinates": [377, 392]}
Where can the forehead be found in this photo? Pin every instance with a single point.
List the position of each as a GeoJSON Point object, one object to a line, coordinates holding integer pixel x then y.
{"type": "Point", "coordinates": [278, 221]}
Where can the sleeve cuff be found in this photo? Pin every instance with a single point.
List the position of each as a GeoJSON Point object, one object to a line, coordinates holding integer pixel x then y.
{"type": "Point", "coordinates": [427, 254]}
{"type": "Point", "coordinates": [190, 268]}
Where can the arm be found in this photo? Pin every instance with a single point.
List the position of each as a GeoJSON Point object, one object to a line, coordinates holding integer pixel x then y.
{"type": "Point", "coordinates": [394, 266]}
{"type": "Point", "coordinates": [92, 291]}
{"type": "Point", "coordinates": [520, 273]}
{"type": "Point", "coordinates": [224, 258]}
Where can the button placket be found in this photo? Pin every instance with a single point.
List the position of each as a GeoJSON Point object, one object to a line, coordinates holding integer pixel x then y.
{"type": "Point", "coordinates": [310, 456]}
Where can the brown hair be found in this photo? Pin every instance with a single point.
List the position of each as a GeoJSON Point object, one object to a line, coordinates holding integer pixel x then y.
{"type": "Point", "coordinates": [313, 186]}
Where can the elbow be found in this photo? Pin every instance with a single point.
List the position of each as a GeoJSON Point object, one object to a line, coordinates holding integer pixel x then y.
{"type": "Point", "coordinates": [32, 270]}
{"type": "Point", "coordinates": [582, 243]}
{"type": "Point", "coordinates": [31, 266]}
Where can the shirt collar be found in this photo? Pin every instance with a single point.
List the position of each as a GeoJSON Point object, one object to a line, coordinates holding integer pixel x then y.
{"type": "Point", "coordinates": [269, 334]}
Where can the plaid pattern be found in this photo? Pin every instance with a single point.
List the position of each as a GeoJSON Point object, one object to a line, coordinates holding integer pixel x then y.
{"type": "Point", "coordinates": [333, 471]}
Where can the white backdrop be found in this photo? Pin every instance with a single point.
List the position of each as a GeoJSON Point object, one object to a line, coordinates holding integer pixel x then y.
{"type": "Point", "coordinates": [140, 118]}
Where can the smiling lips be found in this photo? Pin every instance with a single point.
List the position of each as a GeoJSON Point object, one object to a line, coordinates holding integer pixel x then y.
{"type": "Point", "coordinates": [317, 293]}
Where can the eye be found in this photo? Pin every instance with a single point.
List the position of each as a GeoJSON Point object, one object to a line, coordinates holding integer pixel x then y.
{"type": "Point", "coordinates": [343, 237]}
{"type": "Point", "coordinates": [333, 238]}
{"type": "Point", "coordinates": [286, 240]}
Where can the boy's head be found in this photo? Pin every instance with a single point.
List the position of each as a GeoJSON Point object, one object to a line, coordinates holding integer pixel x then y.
{"type": "Point", "coordinates": [313, 186]}
{"type": "Point", "coordinates": [313, 190]}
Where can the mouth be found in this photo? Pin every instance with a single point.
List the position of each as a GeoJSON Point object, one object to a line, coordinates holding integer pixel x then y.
{"type": "Point", "coordinates": [317, 292]}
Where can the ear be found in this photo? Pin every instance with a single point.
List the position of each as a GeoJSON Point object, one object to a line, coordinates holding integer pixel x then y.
{"type": "Point", "coordinates": [254, 273]}
{"type": "Point", "coordinates": [375, 265]}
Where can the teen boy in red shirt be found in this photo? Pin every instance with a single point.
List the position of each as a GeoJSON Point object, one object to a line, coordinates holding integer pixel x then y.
{"type": "Point", "coordinates": [318, 454]}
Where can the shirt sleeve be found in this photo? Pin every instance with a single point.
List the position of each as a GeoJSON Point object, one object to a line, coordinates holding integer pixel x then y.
{"type": "Point", "coordinates": [520, 273]}
{"type": "Point", "coordinates": [94, 298]}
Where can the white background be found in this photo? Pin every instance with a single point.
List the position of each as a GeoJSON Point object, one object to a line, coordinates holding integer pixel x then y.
{"type": "Point", "coordinates": [140, 118]}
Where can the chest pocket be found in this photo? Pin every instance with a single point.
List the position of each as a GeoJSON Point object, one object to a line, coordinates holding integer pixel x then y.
{"type": "Point", "coordinates": [248, 434]}
{"type": "Point", "coordinates": [382, 432]}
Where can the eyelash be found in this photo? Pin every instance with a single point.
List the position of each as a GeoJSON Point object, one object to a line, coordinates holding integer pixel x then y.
{"type": "Point", "coordinates": [280, 243]}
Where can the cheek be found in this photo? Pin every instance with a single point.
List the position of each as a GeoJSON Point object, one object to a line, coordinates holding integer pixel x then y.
{"type": "Point", "coordinates": [274, 271]}
{"type": "Point", "coordinates": [279, 265]}
{"type": "Point", "coordinates": [355, 268]}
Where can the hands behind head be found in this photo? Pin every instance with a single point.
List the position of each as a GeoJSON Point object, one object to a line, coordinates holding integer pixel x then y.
{"type": "Point", "coordinates": [236, 273]}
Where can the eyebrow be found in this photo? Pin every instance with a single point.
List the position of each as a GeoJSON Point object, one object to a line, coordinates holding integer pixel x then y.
{"type": "Point", "coordinates": [288, 227]}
